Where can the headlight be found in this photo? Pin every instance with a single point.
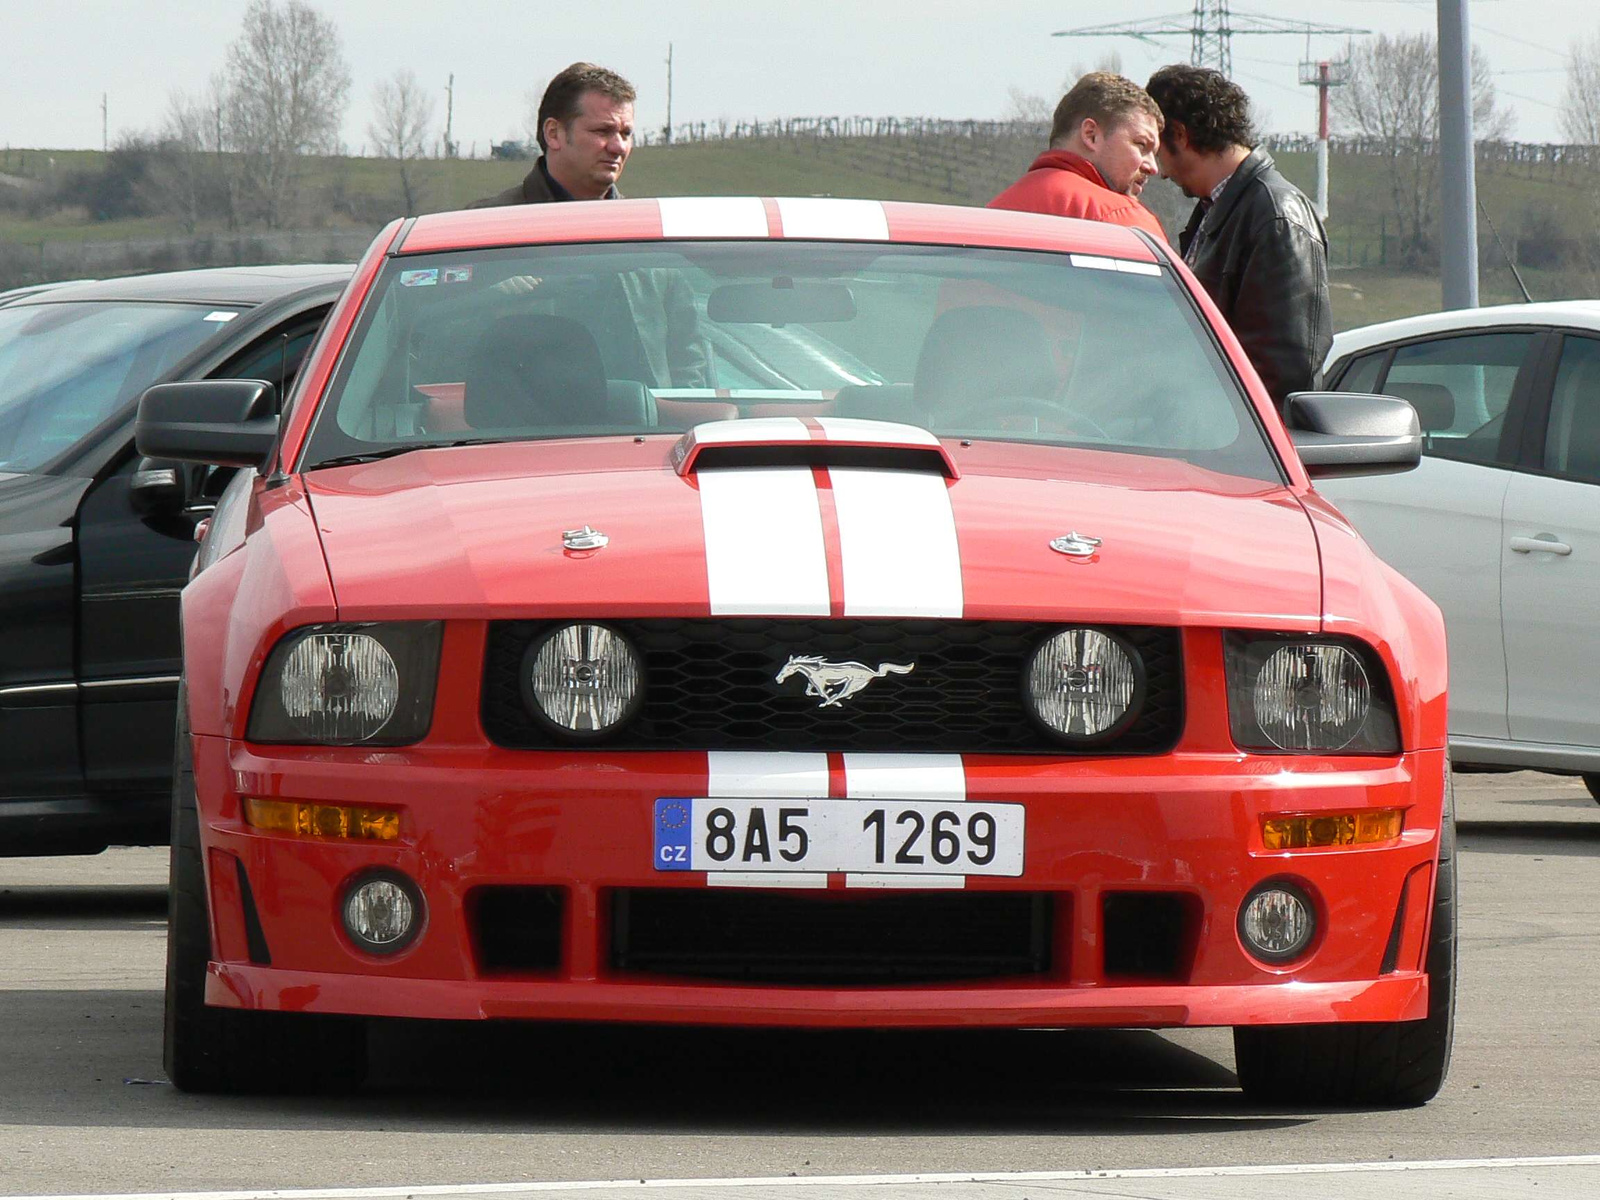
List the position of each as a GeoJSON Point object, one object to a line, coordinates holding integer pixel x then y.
{"type": "Point", "coordinates": [346, 684]}
{"type": "Point", "coordinates": [1309, 695]}
{"type": "Point", "coordinates": [583, 680]}
{"type": "Point", "coordinates": [1085, 685]}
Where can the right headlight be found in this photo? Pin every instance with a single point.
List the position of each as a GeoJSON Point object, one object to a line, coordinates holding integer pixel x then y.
{"type": "Point", "coordinates": [348, 684]}
{"type": "Point", "coordinates": [1308, 696]}
{"type": "Point", "coordinates": [1084, 685]}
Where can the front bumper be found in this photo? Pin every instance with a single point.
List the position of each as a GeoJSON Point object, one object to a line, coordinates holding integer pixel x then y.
{"type": "Point", "coordinates": [1182, 827]}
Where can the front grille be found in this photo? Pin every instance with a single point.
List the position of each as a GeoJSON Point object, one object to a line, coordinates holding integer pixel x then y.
{"type": "Point", "coordinates": [1149, 935]}
{"type": "Point", "coordinates": [710, 685]}
{"type": "Point", "coordinates": [830, 939]}
{"type": "Point", "coordinates": [516, 929]}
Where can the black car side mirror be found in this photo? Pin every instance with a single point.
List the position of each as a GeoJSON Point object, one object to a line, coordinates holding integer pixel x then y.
{"type": "Point", "coordinates": [1353, 433]}
{"type": "Point", "coordinates": [228, 422]}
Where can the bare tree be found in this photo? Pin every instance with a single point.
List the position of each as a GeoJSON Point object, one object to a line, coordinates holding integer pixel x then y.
{"type": "Point", "coordinates": [1580, 105]}
{"type": "Point", "coordinates": [287, 88]}
{"type": "Point", "coordinates": [402, 119]}
{"type": "Point", "coordinates": [197, 176]}
{"type": "Point", "coordinates": [1393, 98]}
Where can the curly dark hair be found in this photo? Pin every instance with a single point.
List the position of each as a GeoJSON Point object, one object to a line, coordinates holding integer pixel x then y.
{"type": "Point", "coordinates": [563, 97]}
{"type": "Point", "coordinates": [1213, 110]}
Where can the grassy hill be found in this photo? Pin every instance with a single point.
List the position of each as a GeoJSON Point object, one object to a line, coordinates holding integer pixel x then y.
{"type": "Point", "coordinates": [1545, 213]}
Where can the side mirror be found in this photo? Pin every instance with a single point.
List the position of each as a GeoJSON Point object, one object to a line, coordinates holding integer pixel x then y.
{"type": "Point", "coordinates": [158, 486]}
{"type": "Point", "coordinates": [1353, 433]}
{"type": "Point", "coordinates": [228, 422]}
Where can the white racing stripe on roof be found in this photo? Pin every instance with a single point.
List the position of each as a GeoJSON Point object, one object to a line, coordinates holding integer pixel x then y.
{"type": "Point", "coordinates": [889, 433]}
{"type": "Point", "coordinates": [1127, 266]}
{"type": "Point", "coordinates": [954, 1180]}
{"type": "Point", "coordinates": [848, 220]}
{"type": "Point", "coordinates": [764, 550]}
{"type": "Point", "coordinates": [713, 217]}
{"type": "Point", "coordinates": [897, 539]}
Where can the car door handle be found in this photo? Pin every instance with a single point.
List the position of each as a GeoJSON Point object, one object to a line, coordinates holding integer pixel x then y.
{"type": "Point", "coordinates": [1544, 545]}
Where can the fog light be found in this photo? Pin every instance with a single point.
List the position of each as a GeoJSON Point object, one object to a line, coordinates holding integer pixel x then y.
{"type": "Point", "coordinates": [1277, 921]}
{"type": "Point", "coordinates": [383, 913]}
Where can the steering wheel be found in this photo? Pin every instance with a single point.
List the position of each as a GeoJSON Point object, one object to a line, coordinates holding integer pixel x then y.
{"type": "Point", "coordinates": [1060, 419]}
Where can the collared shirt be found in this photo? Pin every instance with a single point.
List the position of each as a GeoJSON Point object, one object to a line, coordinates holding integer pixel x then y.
{"type": "Point", "coordinates": [1205, 206]}
{"type": "Point", "coordinates": [557, 192]}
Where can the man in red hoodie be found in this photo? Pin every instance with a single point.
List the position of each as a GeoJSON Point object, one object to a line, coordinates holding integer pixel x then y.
{"type": "Point", "coordinates": [1102, 150]}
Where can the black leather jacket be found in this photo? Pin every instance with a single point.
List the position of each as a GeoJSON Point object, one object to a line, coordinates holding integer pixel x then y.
{"type": "Point", "coordinates": [659, 302]}
{"type": "Point", "coordinates": [1262, 253]}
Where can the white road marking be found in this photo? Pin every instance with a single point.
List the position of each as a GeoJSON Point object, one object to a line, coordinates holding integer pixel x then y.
{"type": "Point", "coordinates": [765, 554]}
{"type": "Point", "coordinates": [792, 1182]}
{"type": "Point", "coordinates": [713, 217]}
{"type": "Point", "coordinates": [897, 539]}
{"type": "Point", "coordinates": [853, 220]}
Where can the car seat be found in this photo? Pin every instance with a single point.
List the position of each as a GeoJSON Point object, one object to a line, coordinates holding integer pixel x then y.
{"type": "Point", "coordinates": [532, 371]}
{"type": "Point", "coordinates": [981, 353]}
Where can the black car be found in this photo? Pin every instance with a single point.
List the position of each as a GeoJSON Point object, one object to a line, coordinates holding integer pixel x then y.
{"type": "Point", "coordinates": [96, 542]}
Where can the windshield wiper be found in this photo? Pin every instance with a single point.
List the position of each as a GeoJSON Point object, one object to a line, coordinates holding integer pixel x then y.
{"type": "Point", "coordinates": [347, 460]}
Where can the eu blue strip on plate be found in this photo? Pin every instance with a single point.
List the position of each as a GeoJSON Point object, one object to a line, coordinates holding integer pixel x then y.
{"type": "Point", "coordinates": [672, 833]}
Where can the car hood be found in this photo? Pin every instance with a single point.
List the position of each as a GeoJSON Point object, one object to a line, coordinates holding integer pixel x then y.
{"type": "Point", "coordinates": [478, 531]}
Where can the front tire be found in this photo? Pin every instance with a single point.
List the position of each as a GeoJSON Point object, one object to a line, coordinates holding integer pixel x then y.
{"type": "Point", "coordinates": [208, 1049]}
{"type": "Point", "coordinates": [1392, 1064]}
{"type": "Point", "coordinates": [1591, 780]}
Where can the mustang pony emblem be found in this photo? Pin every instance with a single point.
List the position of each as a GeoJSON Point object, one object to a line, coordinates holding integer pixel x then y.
{"type": "Point", "coordinates": [833, 682]}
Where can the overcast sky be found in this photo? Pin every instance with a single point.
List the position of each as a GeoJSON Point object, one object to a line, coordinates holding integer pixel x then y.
{"type": "Point", "coordinates": [946, 58]}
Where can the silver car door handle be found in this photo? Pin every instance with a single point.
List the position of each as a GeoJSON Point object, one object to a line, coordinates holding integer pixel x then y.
{"type": "Point", "coordinates": [1545, 545]}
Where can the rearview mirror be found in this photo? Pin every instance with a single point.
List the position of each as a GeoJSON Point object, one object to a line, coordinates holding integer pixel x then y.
{"type": "Point", "coordinates": [229, 422]}
{"type": "Point", "coordinates": [780, 302]}
{"type": "Point", "coordinates": [1353, 433]}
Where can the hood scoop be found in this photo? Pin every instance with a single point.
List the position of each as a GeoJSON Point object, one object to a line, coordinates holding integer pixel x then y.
{"type": "Point", "coordinates": [811, 442]}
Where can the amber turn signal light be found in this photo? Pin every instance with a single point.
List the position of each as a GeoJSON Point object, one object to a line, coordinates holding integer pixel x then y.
{"type": "Point", "coordinates": [1309, 832]}
{"type": "Point", "coordinates": [322, 820]}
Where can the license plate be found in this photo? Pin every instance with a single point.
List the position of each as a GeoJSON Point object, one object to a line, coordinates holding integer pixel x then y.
{"type": "Point", "coordinates": [920, 837]}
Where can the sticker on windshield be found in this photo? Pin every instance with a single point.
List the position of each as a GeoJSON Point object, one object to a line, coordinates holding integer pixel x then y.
{"type": "Point", "coordinates": [457, 274]}
{"type": "Point", "coordinates": [222, 314]}
{"type": "Point", "coordinates": [421, 277]}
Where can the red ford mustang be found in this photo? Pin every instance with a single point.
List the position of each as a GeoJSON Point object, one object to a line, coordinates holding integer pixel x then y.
{"type": "Point", "coordinates": [808, 613]}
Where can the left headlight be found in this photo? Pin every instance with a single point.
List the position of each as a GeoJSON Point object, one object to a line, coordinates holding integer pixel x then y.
{"type": "Point", "coordinates": [349, 684]}
{"type": "Point", "coordinates": [1309, 696]}
{"type": "Point", "coordinates": [583, 680]}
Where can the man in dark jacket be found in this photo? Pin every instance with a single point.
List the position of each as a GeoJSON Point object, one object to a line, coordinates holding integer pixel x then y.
{"type": "Point", "coordinates": [1254, 241]}
{"type": "Point", "coordinates": [586, 133]}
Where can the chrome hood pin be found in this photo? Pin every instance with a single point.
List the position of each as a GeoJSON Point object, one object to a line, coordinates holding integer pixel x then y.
{"type": "Point", "coordinates": [583, 539]}
{"type": "Point", "coordinates": [1075, 545]}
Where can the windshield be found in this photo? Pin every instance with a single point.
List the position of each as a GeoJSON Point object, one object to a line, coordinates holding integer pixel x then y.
{"type": "Point", "coordinates": [65, 368]}
{"type": "Point", "coordinates": [640, 338]}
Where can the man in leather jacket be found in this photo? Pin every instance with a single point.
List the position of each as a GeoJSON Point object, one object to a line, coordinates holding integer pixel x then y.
{"type": "Point", "coordinates": [586, 132]}
{"type": "Point", "coordinates": [1254, 241]}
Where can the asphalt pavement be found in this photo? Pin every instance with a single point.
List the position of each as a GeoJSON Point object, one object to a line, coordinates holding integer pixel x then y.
{"type": "Point", "coordinates": [475, 1109]}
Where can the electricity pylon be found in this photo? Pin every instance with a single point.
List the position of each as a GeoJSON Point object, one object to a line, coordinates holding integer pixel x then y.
{"type": "Point", "coordinates": [1211, 29]}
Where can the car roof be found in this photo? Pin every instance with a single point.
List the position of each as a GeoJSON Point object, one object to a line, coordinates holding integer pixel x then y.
{"type": "Point", "coordinates": [1582, 314]}
{"type": "Point", "coordinates": [743, 218]}
{"type": "Point", "coordinates": [210, 285]}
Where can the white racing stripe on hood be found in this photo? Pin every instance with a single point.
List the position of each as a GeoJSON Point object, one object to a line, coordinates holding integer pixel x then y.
{"type": "Point", "coordinates": [897, 537]}
{"type": "Point", "coordinates": [764, 549]}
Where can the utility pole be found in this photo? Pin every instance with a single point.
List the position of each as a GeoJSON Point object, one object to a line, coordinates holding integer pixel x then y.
{"type": "Point", "coordinates": [1322, 76]}
{"type": "Point", "coordinates": [669, 93]}
{"type": "Point", "coordinates": [105, 124]}
{"type": "Point", "coordinates": [449, 115]}
{"type": "Point", "coordinates": [1210, 28]}
{"type": "Point", "coordinates": [1458, 225]}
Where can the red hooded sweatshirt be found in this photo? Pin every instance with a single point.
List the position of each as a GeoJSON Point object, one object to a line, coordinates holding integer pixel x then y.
{"type": "Point", "coordinates": [1065, 184]}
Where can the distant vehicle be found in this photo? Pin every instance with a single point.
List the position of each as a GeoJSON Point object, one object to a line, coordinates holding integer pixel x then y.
{"type": "Point", "coordinates": [96, 542]}
{"type": "Point", "coordinates": [519, 686]}
{"type": "Point", "coordinates": [1500, 524]}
